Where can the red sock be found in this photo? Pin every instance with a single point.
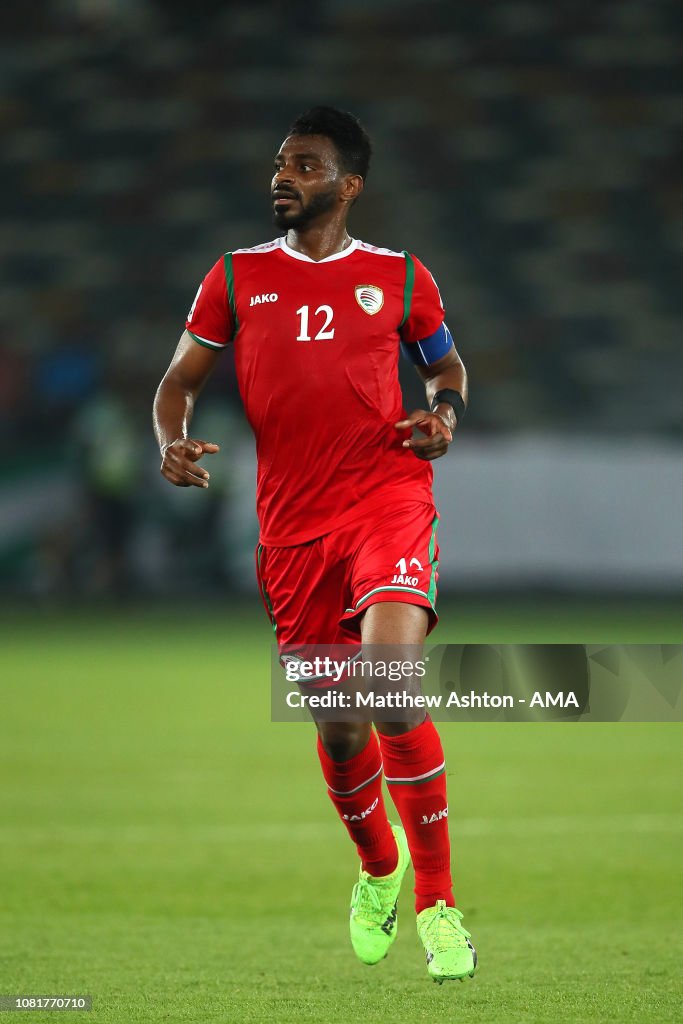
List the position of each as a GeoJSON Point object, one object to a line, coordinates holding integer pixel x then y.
{"type": "Point", "coordinates": [355, 789]}
{"type": "Point", "coordinates": [415, 771]}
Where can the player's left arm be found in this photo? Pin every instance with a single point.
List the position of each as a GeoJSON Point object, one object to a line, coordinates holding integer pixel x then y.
{"type": "Point", "coordinates": [446, 390]}
{"type": "Point", "coordinates": [427, 342]}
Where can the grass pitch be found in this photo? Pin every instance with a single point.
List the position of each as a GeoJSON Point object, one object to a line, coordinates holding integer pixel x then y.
{"type": "Point", "coordinates": [167, 849]}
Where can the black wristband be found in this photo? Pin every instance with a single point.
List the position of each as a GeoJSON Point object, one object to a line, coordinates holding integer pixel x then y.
{"type": "Point", "coordinates": [452, 398]}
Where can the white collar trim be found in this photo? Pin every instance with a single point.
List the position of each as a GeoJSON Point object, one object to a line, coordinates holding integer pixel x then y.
{"type": "Point", "coordinates": [328, 259]}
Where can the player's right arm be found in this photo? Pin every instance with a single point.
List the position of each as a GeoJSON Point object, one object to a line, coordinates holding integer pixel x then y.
{"type": "Point", "coordinates": [209, 328]}
{"type": "Point", "coordinates": [190, 368]}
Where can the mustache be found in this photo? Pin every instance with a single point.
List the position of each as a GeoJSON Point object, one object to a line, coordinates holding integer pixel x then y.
{"type": "Point", "coordinates": [284, 193]}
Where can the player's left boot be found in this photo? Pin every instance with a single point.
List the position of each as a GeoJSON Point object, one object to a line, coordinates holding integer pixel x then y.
{"type": "Point", "coordinates": [450, 954]}
{"type": "Point", "coordinates": [374, 910]}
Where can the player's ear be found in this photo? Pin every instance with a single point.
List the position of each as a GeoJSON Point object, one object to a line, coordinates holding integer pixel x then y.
{"type": "Point", "coordinates": [352, 188]}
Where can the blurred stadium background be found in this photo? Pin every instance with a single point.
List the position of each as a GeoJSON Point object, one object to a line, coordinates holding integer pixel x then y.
{"type": "Point", "coordinates": [529, 153]}
{"type": "Point", "coordinates": [152, 849]}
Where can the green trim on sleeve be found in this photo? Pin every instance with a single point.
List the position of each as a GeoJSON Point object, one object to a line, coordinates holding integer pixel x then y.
{"type": "Point", "coordinates": [205, 343]}
{"type": "Point", "coordinates": [408, 287]}
{"type": "Point", "coordinates": [230, 282]}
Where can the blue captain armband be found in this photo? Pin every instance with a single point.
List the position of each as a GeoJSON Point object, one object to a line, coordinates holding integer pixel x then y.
{"type": "Point", "coordinates": [428, 350]}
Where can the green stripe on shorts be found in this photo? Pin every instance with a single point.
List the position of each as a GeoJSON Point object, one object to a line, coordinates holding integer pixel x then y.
{"type": "Point", "coordinates": [431, 593]}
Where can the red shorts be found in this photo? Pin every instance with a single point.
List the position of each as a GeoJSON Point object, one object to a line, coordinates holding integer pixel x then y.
{"type": "Point", "coordinates": [317, 593]}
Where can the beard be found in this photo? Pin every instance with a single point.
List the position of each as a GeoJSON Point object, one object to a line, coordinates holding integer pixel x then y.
{"type": "Point", "coordinates": [320, 203]}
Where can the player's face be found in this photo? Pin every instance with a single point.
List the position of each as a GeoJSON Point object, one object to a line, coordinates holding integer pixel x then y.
{"type": "Point", "coordinates": [307, 181]}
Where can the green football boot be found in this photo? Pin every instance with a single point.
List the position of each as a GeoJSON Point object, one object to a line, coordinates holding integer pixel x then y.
{"type": "Point", "coordinates": [450, 954]}
{"type": "Point", "coordinates": [374, 911]}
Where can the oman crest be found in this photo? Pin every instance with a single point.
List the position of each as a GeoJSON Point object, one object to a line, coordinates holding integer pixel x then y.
{"type": "Point", "coordinates": [370, 298]}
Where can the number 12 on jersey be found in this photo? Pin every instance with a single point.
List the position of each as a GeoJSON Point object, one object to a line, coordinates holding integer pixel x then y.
{"type": "Point", "coordinates": [324, 333]}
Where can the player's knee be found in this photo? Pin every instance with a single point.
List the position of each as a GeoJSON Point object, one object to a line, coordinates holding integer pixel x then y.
{"type": "Point", "coordinates": [399, 728]}
{"type": "Point", "coordinates": [344, 740]}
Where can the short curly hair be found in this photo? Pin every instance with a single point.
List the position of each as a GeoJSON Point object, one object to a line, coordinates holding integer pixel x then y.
{"type": "Point", "coordinates": [346, 132]}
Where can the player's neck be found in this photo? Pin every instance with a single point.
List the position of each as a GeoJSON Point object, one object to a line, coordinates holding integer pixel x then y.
{"type": "Point", "coordinates": [319, 241]}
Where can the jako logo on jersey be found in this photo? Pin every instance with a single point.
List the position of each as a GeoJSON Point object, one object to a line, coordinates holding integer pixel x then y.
{"type": "Point", "coordinates": [257, 300]}
{"type": "Point", "coordinates": [402, 575]}
{"type": "Point", "coordinates": [370, 298]}
{"type": "Point", "coordinates": [363, 814]}
{"type": "Point", "coordinates": [437, 816]}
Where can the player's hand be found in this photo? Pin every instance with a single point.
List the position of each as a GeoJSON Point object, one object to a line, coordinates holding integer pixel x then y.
{"type": "Point", "coordinates": [439, 434]}
{"type": "Point", "coordinates": [179, 462]}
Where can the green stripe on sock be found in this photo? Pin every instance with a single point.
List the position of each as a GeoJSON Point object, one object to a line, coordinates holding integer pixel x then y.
{"type": "Point", "coordinates": [415, 782]}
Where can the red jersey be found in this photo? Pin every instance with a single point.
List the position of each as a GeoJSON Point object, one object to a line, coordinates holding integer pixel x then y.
{"type": "Point", "coordinates": [316, 355]}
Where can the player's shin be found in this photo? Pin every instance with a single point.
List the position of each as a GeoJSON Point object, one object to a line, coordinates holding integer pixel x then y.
{"type": "Point", "coordinates": [355, 789]}
{"type": "Point", "coordinates": [414, 768]}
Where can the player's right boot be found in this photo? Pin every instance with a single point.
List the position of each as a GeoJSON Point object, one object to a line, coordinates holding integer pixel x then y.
{"type": "Point", "coordinates": [374, 920]}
